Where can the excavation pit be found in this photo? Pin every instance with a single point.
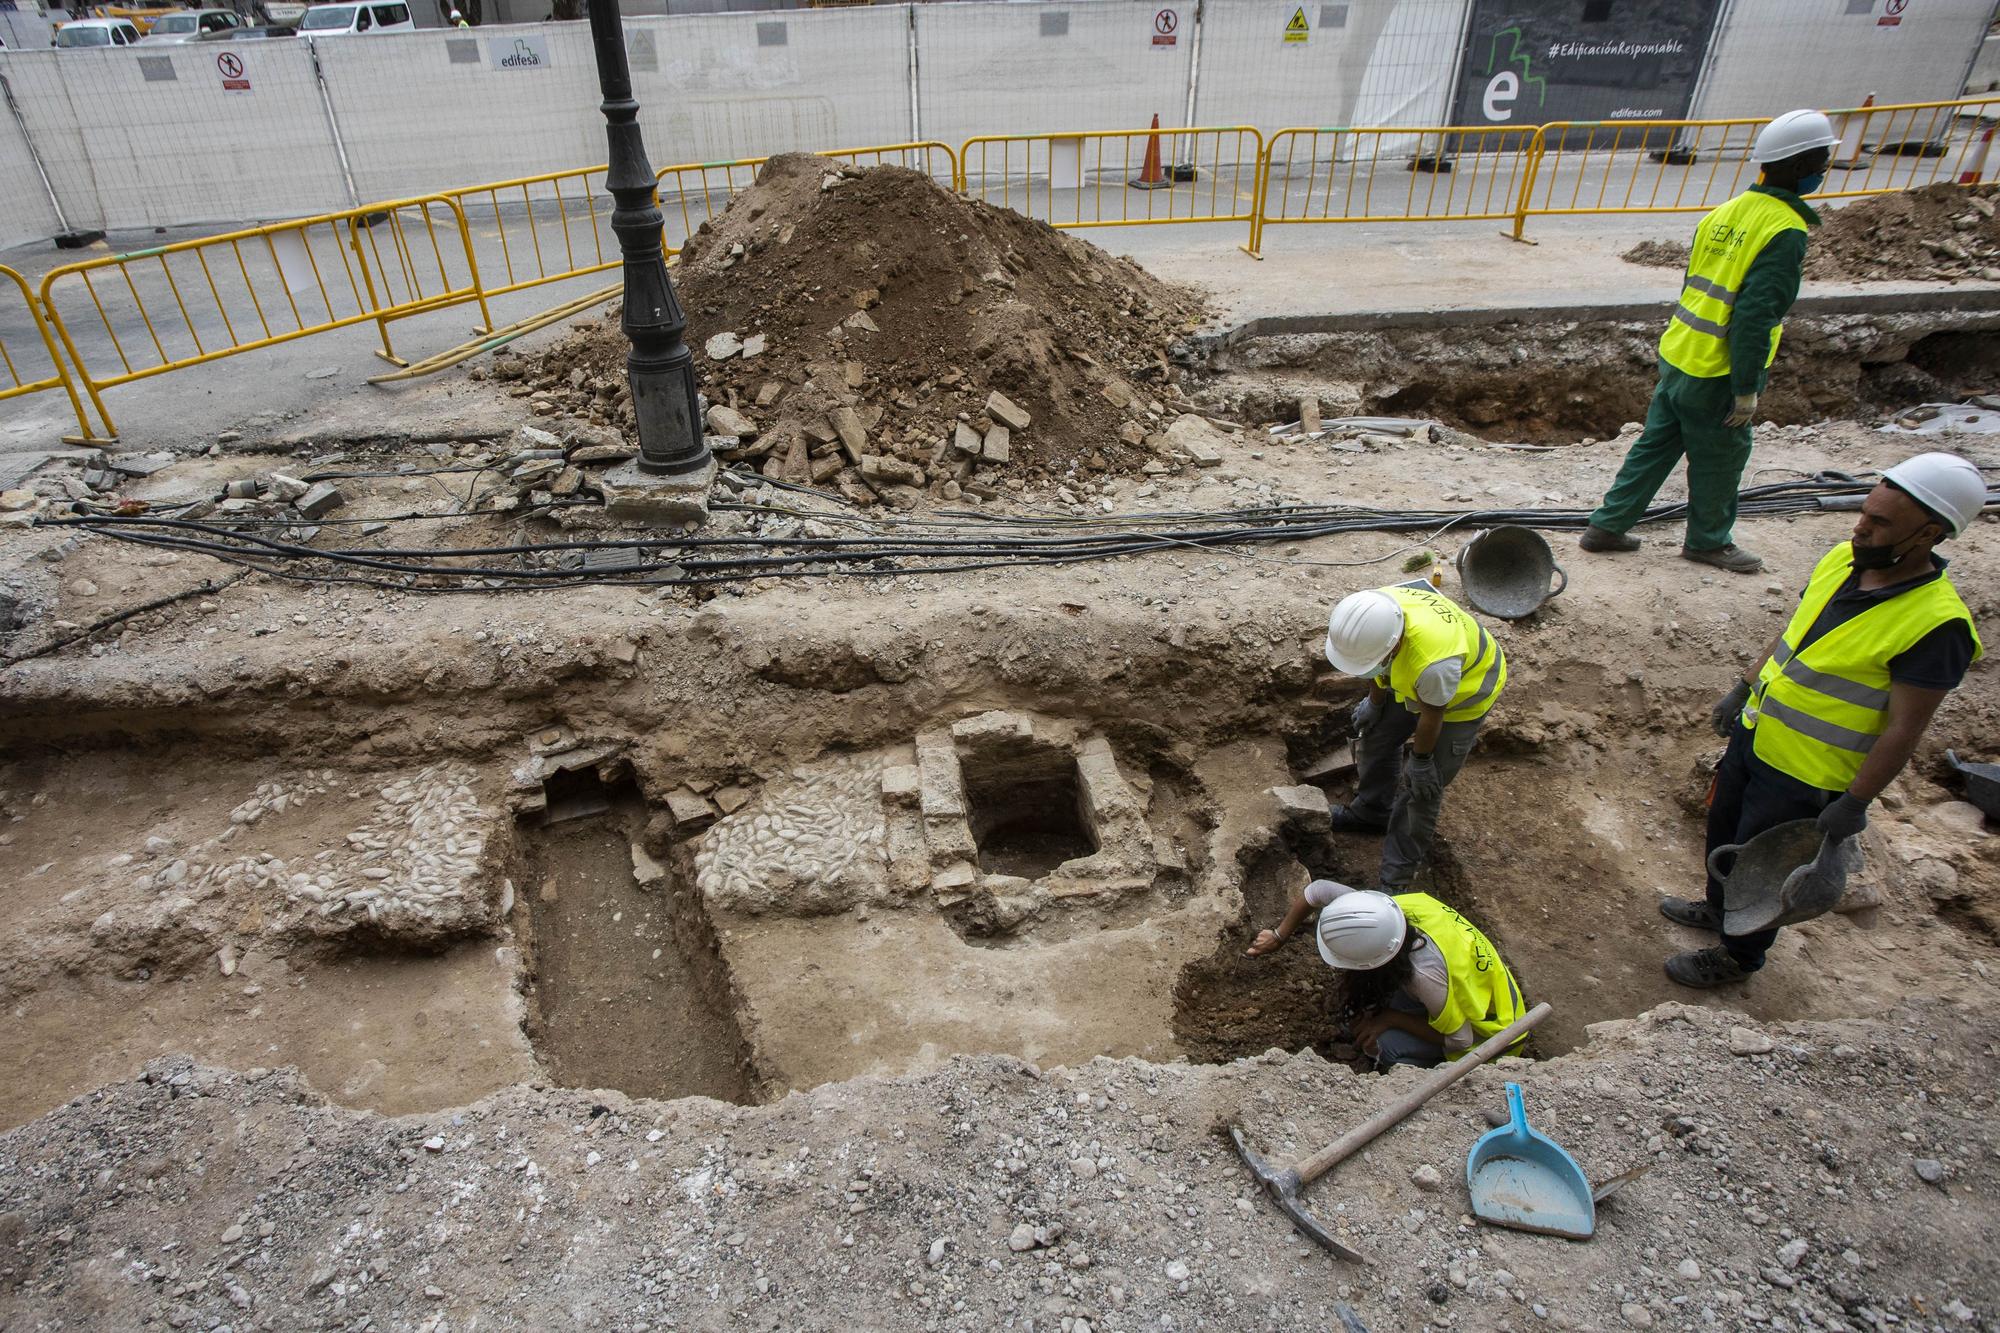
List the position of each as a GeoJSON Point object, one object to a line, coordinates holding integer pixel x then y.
{"type": "Point", "coordinates": [1028, 820]}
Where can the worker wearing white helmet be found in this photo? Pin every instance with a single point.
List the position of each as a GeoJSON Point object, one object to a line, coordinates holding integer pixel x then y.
{"type": "Point", "coordinates": [1423, 984]}
{"type": "Point", "coordinates": [1832, 712]}
{"type": "Point", "coordinates": [1434, 674]}
{"type": "Point", "coordinates": [1742, 277]}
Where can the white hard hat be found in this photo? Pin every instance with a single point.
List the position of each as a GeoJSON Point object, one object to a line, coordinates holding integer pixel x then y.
{"type": "Point", "coordinates": [1793, 133]}
{"type": "Point", "coordinates": [1945, 484]}
{"type": "Point", "coordinates": [1360, 931]}
{"type": "Point", "coordinates": [1361, 631]}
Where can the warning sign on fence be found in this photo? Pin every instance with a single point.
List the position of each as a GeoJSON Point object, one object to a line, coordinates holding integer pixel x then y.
{"type": "Point", "coordinates": [235, 79]}
{"type": "Point", "coordinates": [1892, 13]}
{"type": "Point", "coordinates": [1165, 25]}
{"type": "Point", "coordinates": [1296, 30]}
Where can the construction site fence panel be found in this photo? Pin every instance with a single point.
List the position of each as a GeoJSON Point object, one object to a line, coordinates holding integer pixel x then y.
{"type": "Point", "coordinates": [1387, 62]}
{"type": "Point", "coordinates": [1014, 68]}
{"type": "Point", "coordinates": [709, 87]}
{"type": "Point", "coordinates": [1770, 55]}
{"type": "Point", "coordinates": [167, 136]}
{"type": "Point", "coordinates": [1118, 178]}
{"type": "Point", "coordinates": [1393, 174]}
{"type": "Point", "coordinates": [131, 316]}
{"type": "Point", "coordinates": [25, 211]}
{"type": "Point", "coordinates": [33, 366]}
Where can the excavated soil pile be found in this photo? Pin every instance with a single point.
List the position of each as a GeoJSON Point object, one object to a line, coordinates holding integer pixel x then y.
{"type": "Point", "coordinates": [854, 327]}
{"type": "Point", "coordinates": [1941, 231]}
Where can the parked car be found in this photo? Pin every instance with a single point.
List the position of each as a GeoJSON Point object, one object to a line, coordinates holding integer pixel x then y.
{"type": "Point", "coordinates": [190, 24]}
{"type": "Point", "coordinates": [82, 33]}
{"type": "Point", "coordinates": [246, 34]}
{"type": "Point", "coordinates": [142, 15]}
{"type": "Point", "coordinates": [365, 20]}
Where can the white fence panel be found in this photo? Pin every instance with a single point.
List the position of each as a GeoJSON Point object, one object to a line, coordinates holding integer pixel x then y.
{"type": "Point", "coordinates": [1028, 69]}
{"type": "Point", "coordinates": [167, 136]}
{"type": "Point", "coordinates": [1354, 63]}
{"type": "Point", "coordinates": [428, 110]}
{"type": "Point", "coordinates": [25, 214]}
{"type": "Point", "coordinates": [1772, 55]}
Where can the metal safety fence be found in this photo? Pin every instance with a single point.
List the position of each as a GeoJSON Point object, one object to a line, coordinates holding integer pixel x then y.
{"type": "Point", "coordinates": [24, 364]}
{"type": "Point", "coordinates": [1392, 174]}
{"type": "Point", "coordinates": [1691, 166]}
{"type": "Point", "coordinates": [1118, 178]}
{"type": "Point", "coordinates": [173, 306]}
{"type": "Point", "coordinates": [116, 319]}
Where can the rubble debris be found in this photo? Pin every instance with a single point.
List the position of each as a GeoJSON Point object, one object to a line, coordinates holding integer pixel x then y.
{"type": "Point", "coordinates": [888, 337]}
{"type": "Point", "coordinates": [322, 499]}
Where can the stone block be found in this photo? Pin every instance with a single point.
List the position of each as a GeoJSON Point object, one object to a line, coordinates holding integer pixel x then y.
{"type": "Point", "coordinates": [665, 498]}
{"type": "Point", "coordinates": [1106, 795]}
{"type": "Point", "coordinates": [847, 427]}
{"type": "Point", "coordinates": [995, 726]}
{"type": "Point", "coordinates": [1193, 436]}
{"type": "Point", "coordinates": [283, 488]}
{"type": "Point", "coordinates": [966, 440]}
{"type": "Point", "coordinates": [1006, 411]}
{"type": "Point", "coordinates": [1303, 806]}
{"type": "Point", "coordinates": [959, 875]}
{"type": "Point", "coordinates": [322, 499]}
{"type": "Point", "coordinates": [690, 810]}
{"type": "Point", "coordinates": [726, 420]}
{"type": "Point", "coordinates": [998, 447]}
{"type": "Point", "coordinates": [902, 784]}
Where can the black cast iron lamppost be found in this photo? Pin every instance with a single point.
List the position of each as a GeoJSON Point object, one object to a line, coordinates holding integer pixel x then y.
{"type": "Point", "coordinates": [660, 368]}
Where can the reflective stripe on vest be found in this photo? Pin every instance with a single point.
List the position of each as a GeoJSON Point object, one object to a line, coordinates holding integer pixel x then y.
{"type": "Point", "coordinates": [1479, 990]}
{"type": "Point", "coordinates": [1435, 628]}
{"type": "Point", "coordinates": [1816, 714]}
{"type": "Point", "coordinates": [1726, 242]}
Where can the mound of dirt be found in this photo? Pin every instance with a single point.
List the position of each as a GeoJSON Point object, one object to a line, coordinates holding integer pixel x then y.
{"type": "Point", "coordinates": [1940, 231]}
{"type": "Point", "coordinates": [855, 326]}
{"type": "Point", "coordinates": [1657, 254]}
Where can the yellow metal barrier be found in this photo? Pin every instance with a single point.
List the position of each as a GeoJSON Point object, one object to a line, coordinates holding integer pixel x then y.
{"type": "Point", "coordinates": [1100, 178]}
{"type": "Point", "coordinates": [1392, 174]}
{"type": "Point", "coordinates": [16, 384]}
{"type": "Point", "coordinates": [1690, 166]}
{"type": "Point", "coordinates": [200, 301]}
{"type": "Point", "coordinates": [544, 228]}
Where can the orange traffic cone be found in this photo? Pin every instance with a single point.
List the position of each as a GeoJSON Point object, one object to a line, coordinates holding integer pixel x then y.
{"type": "Point", "coordinates": [1152, 176]}
{"type": "Point", "coordinates": [1973, 174]}
{"type": "Point", "coordinates": [1847, 155]}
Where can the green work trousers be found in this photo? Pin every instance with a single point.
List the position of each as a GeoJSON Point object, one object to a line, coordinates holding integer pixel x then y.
{"type": "Point", "coordinates": [1685, 417]}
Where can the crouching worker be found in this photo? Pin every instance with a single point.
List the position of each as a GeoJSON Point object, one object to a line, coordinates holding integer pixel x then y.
{"type": "Point", "coordinates": [1423, 984]}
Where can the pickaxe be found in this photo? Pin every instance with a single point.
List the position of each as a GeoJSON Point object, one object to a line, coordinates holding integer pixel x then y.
{"type": "Point", "coordinates": [1284, 1183]}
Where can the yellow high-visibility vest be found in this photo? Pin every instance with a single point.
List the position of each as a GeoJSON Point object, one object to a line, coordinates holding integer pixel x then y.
{"type": "Point", "coordinates": [1480, 990]}
{"type": "Point", "coordinates": [1435, 628]}
{"type": "Point", "coordinates": [1816, 714]}
{"type": "Point", "coordinates": [1727, 241]}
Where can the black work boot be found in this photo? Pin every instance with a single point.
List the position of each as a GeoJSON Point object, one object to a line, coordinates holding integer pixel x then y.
{"type": "Point", "coordinates": [1705, 969]}
{"type": "Point", "coordinates": [1595, 538]}
{"type": "Point", "coordinates": [1346, 821]}
{"type": "Point", "coordinates": [1691, 912]}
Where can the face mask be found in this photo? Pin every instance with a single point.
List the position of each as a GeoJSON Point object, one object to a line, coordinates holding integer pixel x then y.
{"type": "Point", "coordinates": [1884, 556]}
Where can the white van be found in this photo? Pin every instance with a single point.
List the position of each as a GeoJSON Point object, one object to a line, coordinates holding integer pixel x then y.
{"type": "Point", "coordinates": [363, 20]}
{"type": "Point", "coordinates": [80, 34]}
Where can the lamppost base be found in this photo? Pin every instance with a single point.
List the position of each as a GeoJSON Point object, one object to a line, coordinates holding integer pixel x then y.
{"type": "Point", "coordinates": [662, 498]}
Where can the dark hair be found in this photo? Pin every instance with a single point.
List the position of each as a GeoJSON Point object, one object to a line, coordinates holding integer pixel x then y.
{"type": "Point", "coordinates": [1787, 172]}
{"type": "Point", "coordinates": [1370, 990]}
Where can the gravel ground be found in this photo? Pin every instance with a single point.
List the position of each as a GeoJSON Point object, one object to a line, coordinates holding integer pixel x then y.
{"type": "Point", "coordinates": [1810, 1176]}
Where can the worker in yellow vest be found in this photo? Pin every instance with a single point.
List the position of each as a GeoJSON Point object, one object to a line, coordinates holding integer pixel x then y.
{"type": "Point", "coordinates": [1831, 714]}
{"type": "Point", "coordinates": [1742, 277]}
{"type": "Point", "coordinates": [1434, 674]}
{"type": "Point", "coordinates": [1423, 983]}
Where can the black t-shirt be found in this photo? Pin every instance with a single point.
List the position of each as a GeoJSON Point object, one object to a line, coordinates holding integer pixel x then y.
{"type": "Point", "coordinates": [1938, 661]}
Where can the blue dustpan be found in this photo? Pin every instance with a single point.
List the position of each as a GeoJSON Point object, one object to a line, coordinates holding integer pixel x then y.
{"type": "Point", "coordinates": [1520, 1178]}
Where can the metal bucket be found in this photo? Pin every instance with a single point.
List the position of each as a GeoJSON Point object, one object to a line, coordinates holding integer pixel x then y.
{"type": "Point", "coordinates": [1506, 572]}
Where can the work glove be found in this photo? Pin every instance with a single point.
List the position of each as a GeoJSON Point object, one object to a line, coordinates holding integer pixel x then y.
{"type": "Point", "coordinates": [1365, 714]}
{"type": "Point", "coordinates": [1723, 715]}
{"type": "Point", "coordinates": [1422, 772]}
{"type": "Point", "coordinates": [1741, 411]}
{"type": "Point", "coordinates": [1845, 818]}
